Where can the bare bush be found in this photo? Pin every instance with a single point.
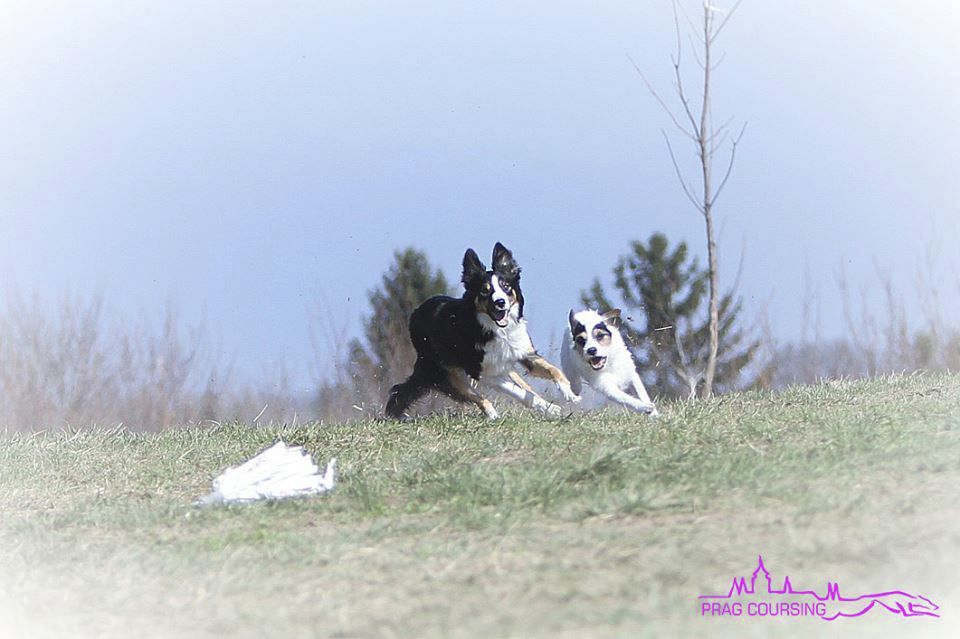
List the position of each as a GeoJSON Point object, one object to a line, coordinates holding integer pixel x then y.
{"type": "Point", "coordinates": [876, 339]}
{"type": "Point", "coordinates": [68, 366]}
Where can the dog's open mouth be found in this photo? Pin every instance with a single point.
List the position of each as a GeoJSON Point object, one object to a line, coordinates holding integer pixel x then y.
{"type": "Point", "coordinates": [596, 363]}
{"type": "Point", "coordinates": [499, 315]}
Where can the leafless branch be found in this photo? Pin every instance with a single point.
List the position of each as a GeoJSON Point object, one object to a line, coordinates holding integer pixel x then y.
{"type": "Point", "coordinates": [733, 154]}
{"type": "Point", "coordinates": [684, 101]}
{"type": "Point", "coordinates": [686, 16]}
{"type": "Point", "coordinates": [693, 48]}
{"type": "Point", "coordinates": [720, 129]}
{"type": "Point", "coordinates": [657, 97]}
{"type": "Point", "coordinates": [676, 167]}
{"type": "Point", "coordinates": [715, 146]}
{"type": "Point", "coordinates": [723, 23]}
{"type": "Point", "coordinates": [676, 69]}
{"type": "Point", "coordinates": [723, 56]}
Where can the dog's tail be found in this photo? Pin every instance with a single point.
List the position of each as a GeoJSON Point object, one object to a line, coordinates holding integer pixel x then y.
{"type": "Point", "coordinates": [405, 394]}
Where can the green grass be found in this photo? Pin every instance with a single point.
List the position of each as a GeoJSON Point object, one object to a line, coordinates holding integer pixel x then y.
{"type": "Point", "coordinates": [603, 524]}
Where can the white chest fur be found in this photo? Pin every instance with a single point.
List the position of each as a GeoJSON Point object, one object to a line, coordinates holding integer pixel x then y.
{"type": "Point", "coordinates": [619, 370]}
{"type": "Point", "coordinates": [509, 345]}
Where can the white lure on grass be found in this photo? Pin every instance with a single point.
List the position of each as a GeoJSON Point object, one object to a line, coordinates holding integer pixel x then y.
{"type": "Point", "coordinates": [279, 472]}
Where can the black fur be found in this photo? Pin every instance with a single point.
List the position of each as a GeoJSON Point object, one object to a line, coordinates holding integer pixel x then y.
{"type": "Point", "coordinates": [447, 335]}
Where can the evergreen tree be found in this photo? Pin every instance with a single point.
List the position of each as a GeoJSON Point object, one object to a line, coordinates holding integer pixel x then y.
{"type": "Point", "coordinates": [385, 355]}
{"type": "Point", "coordinates": [408, 283]}
{"type": "Point", "coordinates": [671, 334]}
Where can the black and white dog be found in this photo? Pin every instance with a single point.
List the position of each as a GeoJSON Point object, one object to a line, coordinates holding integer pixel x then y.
{"type": "Point", "coordinates": [595, 352]}
{"type": "Point", "coordinates": [476, 341]}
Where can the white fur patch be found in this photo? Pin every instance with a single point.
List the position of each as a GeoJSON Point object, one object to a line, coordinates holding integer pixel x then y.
{"type": "Point", "coordinates": [498, 292]}
{"type": "Point", "coordinates": [509, 345]}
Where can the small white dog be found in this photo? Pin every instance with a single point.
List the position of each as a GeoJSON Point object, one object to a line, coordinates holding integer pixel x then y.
{"type": "Point", "coordinates": [595, 352]}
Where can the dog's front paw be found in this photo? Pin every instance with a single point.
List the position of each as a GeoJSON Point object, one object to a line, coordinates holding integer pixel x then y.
{"type": "Point", "coordinates": [568, 393]}
{"type": "Point", "coordinates": [547, 408]}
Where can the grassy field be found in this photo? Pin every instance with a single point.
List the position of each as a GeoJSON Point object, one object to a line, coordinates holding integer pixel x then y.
{"type": "Point", "coordinates": [599, 525]}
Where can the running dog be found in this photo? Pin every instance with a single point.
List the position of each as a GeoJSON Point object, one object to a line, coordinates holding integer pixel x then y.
{"type": "Point", "coordinates": [477, 341]}
{"type": "Point", "coordinates": [595, 352]}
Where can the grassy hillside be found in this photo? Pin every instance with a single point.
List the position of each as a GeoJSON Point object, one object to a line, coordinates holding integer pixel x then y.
{"type": "Point", "coordinates": [598, 525]}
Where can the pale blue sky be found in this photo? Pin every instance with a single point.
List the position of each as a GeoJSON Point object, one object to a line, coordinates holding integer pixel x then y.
{"type": "Point", "coordinates": [244, 158]}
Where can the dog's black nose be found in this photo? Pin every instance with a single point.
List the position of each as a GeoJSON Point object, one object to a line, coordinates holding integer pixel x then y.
{"type": "Point", "coordinates": [500, 303]}
{"type": "Point", "coordinates": [592, 350]}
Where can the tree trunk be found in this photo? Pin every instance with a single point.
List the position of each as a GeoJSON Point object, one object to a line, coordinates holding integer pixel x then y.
{"type": "Point", "coordinates": [714, 310]}
{"type": "Point", "coordinates": [706, 160]}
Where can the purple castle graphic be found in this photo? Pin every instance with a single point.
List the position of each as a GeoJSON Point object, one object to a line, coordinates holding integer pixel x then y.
{"type": "Point", "coordinates": [833, 604]}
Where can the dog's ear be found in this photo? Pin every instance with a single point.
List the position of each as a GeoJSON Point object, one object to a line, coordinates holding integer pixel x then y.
{"type": "Point", "coordinates": [613, 318]}
{"type": "Point", "coordinates": [473, 268]}
{"type": "Point", "coordinates": [503, 262]}
{"type": "Point", "coordinates": [573, 322]}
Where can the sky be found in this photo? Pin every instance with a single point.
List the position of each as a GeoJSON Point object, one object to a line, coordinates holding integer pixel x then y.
{"type": "Point", "coordinates": [257, 164]}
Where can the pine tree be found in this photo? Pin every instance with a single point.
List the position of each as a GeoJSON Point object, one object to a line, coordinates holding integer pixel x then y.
{"type": "Point", "coordinates": [385, 353]}
{"type": "Point", "coordinates": [671, 335]}
{"type": "Point", "coordinates": [407, 284]}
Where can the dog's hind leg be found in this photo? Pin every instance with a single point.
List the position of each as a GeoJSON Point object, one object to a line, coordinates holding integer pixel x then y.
{"type": "Point", "coordinates": [422, 380]}
{"type": "Point", "coordinates": [543, 369]}
{"type": "Point", "coordinates": [404, 395]}
{"type": "Point", "coordinates": [517, 388]}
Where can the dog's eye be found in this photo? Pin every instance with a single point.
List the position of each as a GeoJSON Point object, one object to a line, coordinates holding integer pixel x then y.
{"type": "Point", "coordinates": [580, 339]}
{"type": "Point", "coordinates": [505, 286]}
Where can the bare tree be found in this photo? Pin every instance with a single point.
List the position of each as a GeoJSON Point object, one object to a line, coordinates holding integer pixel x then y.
{"type": "Point", "coordinates": [671, 337]}
{"type": "Point", "coordinates": [695, 122]}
